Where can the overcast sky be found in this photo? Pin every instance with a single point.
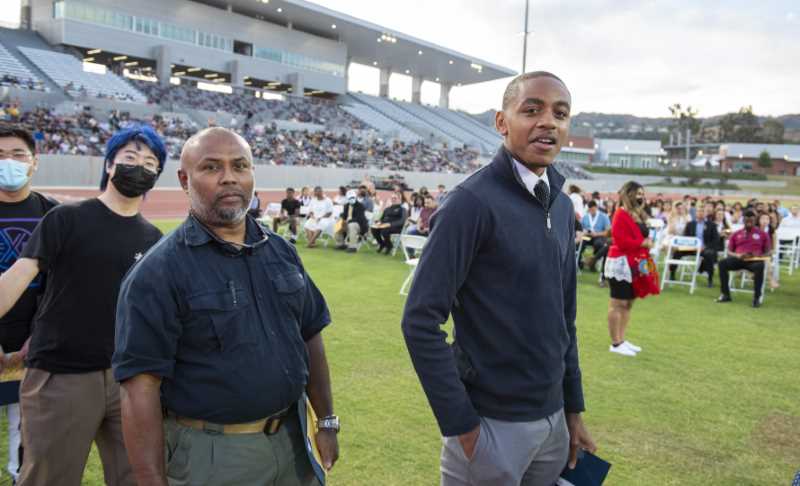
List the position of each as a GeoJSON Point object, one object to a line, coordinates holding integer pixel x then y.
{"type": "Point", "coordinates": [616, 56]}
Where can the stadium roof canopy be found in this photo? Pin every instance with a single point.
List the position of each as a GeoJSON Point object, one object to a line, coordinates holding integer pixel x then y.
{"type": "Point", "coordinates": [371, 44]}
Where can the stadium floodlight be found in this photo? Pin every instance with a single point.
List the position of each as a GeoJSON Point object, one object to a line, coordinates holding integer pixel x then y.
{"type": "Point", "coordinates": [333, 26]}
{"type": "Point", "coordinates": [94, 51]}
{"type": "Point", "coordinates": [408, 72]}
{"type": "Point", "coordinates": [437, 80]}
{"type": "Point", "coordinates": [120, 58]}
{"type": "Point", "coordinates": [211, 75]}
{"type": "Point", "coordinates": [419, 53]}
{"type": "Point", "coordinates": [280, 10]}
{"type": "Point", "coordinates": [194, 69]}
{"type": "Point", "coordinates": [132, 63]}
{"type": "Point", "coordinates": [179, 73]}
{"type": "Point", "coordinates": [451, 61]}
{"type": "Point", "coordinates": [374, 63]}
{"type": "Point", "coordinates": [88, 59]}
{"type": "Point", "coordinates": [264, 1]}
{"type": "Point", "coordinates": [476, 67]}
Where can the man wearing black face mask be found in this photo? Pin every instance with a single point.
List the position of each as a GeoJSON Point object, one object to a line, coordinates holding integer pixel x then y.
{"type": "Point", "coordinates": [68, 397]}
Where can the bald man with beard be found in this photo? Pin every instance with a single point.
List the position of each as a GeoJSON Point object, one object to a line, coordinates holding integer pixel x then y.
{"type": "Point", "coordinates": [219, 341]}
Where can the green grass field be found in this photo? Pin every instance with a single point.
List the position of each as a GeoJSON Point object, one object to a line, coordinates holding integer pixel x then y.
{"type": "Point", "coordinates": [714, 398]}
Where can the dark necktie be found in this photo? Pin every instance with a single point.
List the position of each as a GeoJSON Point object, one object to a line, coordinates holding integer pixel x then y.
{"type": "Point", "coordinates": [542, 193]}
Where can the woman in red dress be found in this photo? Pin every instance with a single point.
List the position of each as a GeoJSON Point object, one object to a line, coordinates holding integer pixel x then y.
{"type": "Point", "coordinates": [629, 269]}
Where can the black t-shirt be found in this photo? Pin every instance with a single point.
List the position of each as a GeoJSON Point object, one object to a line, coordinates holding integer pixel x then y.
{"type": "Point", "coordinates": [291, 206]}
{"type": "Point", "coordinates": [17, 222]}
{"type": "Point", "coordinates": [85, 250]}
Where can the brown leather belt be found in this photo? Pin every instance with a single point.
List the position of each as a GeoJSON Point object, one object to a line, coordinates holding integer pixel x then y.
{"type": "Point", "coordinates": [268, 426]}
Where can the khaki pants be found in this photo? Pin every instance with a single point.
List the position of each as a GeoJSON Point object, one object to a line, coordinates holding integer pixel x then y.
{"type": "Point", "coordinates": [200, 458]}
{"type": "Point", "coordinates": [61, 415]}
{"type": "Point", "coordinates": [353, 231]}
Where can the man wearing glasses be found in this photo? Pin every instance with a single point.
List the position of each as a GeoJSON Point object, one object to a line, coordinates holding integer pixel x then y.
{"type": "Point", "coordinates": [68, 397]}
{"type": "Point", "coordinates": [219, 339]}
{"type": "Point", "coordinates": [21, 209]}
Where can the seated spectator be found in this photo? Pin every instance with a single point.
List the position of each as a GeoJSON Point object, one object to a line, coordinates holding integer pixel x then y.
{"type": "Point", "coordinates": [723, 228]}
{"type": "Point", "coordinates": [255, 206]}
{"type": "Point", "coordinates": [577, 200]}
{"type": "Point", "coordinates": [320, 212]}
{"type": "Point", "coordinates": [766, 224]}
{"type": "Point", "coordinates": [417, 204]}
{"type": "Point", "coordinates": [597, 227]}
{"type": "Point", "coordinates": [423, 226]}
{"type": "Point", "coordinates": [341, 198]}
{"type": "Point", "coordinates": [391, 223]}
{"type": "Point", "coordinates": [792, 220]}
{"type": "Point", "coordinates": [442, 192]}
{"type": "Point", "coordinates": [365, 199]}
{"type": "Point", "coordinates": [290, 211]}
{"type": "Point", "coordinates": [705, 229]}
{"type": "Point", "coordinates": [747, 249]}
{"type": "Point", "coordinates": [353, 224]}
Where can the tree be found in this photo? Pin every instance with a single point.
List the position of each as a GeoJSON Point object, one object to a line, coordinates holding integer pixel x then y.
{"type": "Point", "coordinates": [683, 119]}
{"type": "Point", "coordinates": [764, 160]}
{"type": "Point", "coordinates": [772, 131]}
{"type": "Point", "coordinates": [747, 126]}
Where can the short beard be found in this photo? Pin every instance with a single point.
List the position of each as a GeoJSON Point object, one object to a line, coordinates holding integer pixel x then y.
{"type": "Point", "coordinates": [216, 216]}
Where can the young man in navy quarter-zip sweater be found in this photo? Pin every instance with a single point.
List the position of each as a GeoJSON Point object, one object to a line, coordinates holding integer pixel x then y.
{"type": "Point", "coordinates": [507, 394]}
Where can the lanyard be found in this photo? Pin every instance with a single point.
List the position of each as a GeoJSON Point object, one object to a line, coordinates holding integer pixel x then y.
{"type": "Point", "coordinates": [592, 221]}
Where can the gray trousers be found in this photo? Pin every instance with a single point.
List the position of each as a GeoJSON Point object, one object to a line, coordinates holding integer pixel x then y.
{"type": "Point", "coordinates": [195, 457]}
{"type": "Point", "coordinates": [509, 454]}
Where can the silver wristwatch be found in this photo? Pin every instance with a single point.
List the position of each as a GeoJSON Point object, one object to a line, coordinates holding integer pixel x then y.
{"type": "Point", "coordinates": [331, 422]}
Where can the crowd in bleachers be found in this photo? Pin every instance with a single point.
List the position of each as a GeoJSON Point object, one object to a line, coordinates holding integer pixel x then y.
{"type": "Point", "coordinates": [16, 82]}
{"type": "Point", "coordinates": [293, 108]}
{"type": "Point", "coordinates": [82, 133]}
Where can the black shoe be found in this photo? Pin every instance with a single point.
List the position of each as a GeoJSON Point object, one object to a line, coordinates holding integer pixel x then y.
{"type": "Point", "coordinates": [380, 249]}
{"type": "Point", "coordinates": [293, 241]}
{"type": "Point", "coordinates": [341, 247]}
{"type": "Point", "coordinates": [388, 250]}
{"type": "Point", "coordinates": [723, 298]}
{"type": "Point", "coordinates": [756, 303]}
{"type": "Point", "coordinates": [351, 250]}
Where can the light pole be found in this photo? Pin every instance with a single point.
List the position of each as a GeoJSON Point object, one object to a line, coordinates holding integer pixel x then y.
{"type": "Point", "coordinates": [525, 37]}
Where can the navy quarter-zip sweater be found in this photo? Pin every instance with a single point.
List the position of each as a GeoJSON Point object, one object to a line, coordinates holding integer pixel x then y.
{"type": "Point", "coordinates": [509, 283]}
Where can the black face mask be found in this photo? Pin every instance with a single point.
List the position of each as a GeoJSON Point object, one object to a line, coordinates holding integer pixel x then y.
{"type": "Point", "coordinates": [133, 180]}
{"type": "Point", "coordinates": [639, 201]}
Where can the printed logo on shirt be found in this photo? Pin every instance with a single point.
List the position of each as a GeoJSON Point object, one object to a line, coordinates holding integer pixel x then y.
{"type": "Point", "coordinates": [756, 236]}
{"type": "Point", "coordinates": [14, 234]}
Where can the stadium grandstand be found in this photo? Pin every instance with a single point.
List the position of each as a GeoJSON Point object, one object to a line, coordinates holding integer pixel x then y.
{"type": "Point", "coordinates": [275, 71]}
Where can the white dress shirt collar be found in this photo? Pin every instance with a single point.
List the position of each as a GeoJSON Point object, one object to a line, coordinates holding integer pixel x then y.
{"type": "Point", "coordinates": [529, 178]}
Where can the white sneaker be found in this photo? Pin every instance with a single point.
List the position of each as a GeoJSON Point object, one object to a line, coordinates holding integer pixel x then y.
{"type": "Point", "coordinates": [622, 349]}
{"type": "Point", "coordinates": [632, 347]}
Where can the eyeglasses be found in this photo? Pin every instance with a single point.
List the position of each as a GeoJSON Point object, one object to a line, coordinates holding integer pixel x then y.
{"type": "Point", "coordinates": [18, 155]}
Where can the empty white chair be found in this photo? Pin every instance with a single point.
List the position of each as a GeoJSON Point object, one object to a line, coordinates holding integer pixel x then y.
{"type": "Point", "coordinates": [787, 248]}
{"type": "Point", "coordinates": [682, 244]}
{"type": "Point", "coordinates": [416, 243]}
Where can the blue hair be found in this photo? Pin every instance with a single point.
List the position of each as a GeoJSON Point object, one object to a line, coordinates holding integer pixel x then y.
{"type": "Point", "coordinates": [135, 133]}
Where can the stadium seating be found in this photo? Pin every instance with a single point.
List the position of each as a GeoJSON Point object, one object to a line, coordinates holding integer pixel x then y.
{"type": "Point", "coordinates": [455, 132]}
{"type": "Point", "coordinates": [67, 72]}
{"type": "Point", "coordinates": [486, 134]}
{"type": "Point", "coordinates": [14, 73]}
{"type": "Point", "coordinates": [380, 122]}
{"type": "Point", "coordinates": [426, 129]}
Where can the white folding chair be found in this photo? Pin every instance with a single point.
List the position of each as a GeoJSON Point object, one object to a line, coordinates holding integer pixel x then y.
{"type": "Point", "coordinates": [746, 282]}
{"type": "Point", "coordinates": [416, 243]}
{"type": "Point", "coordinates": [787, 248]}
{"type": "Point", "coordinates": [272, 211]}
{"type": "Point", "coordinates": [692, 262]}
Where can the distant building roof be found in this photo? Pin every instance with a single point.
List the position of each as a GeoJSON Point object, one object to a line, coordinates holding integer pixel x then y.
{"type": "Point", "coordinates": [624, 146]}
{"type": "Point", "coordinates": [373, 44]}
{"type": "Point", "coordinates": [581, 142]}
{"type": "Point", "coordinates": [753, 150]}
